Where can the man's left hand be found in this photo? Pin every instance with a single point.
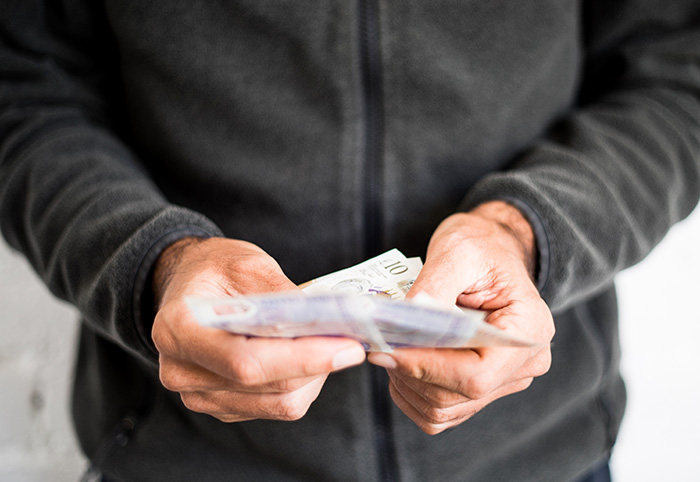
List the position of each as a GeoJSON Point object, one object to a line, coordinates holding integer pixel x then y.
{"type": "Point", "coordinates": [482, 260]}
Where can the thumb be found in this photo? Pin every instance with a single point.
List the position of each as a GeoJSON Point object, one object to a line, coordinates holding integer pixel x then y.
{"type": "Point", "coordinates": [439, 280]}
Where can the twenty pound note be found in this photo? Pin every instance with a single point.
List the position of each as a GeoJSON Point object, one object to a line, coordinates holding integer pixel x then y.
{"type": "Point", "coordinates": [364, 302]}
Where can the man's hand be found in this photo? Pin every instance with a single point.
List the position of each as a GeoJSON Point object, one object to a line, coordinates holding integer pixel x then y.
{"type": "Point", "coordinates": [484, 260]}
{"type": "Point", "coordinates": [232, 377]}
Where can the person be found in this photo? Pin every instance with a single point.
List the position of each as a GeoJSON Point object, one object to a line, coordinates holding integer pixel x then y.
{"type": "Point", "coordinates": [528, 150]}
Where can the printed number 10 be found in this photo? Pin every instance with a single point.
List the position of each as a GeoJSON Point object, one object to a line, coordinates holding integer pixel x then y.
{"type": "Point", "coordinates": [396, 268]}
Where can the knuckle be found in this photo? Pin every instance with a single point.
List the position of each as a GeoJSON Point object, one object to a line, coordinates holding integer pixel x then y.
{"type": "Point", "coordinates": [418, 371]}
{"type": "Point", "coordinates": [245, 265]}
{"type": "Point", "coordinates": [227, 418]}
{"type": "Point", "coordinates": [523, 384]}
{"type": "Point", "coordinates": [194, 402]}
{"type": "Point", "coordinates": [540, 363]}
{"type": "Point", "coordinates": [161, 336]}
{"type": "Point", "coordinates": [170, 379]}
{"type": "Point", "coordinates": [452, 241]}
{"type": "Point", "coordinates": [543, 365]}
{"type": "Point", "coordinates": [551, 330]}
{"type": "Point", "coordinates": [253, 263]}
{"type": "Point", "coordinates": [292, 408]}
{"type": "Point", "coordinates": [247, 371]}
{"type": "Point", "coordinates": [431, 428]}
{"type": "Point", "coordinates": [546, 362]}
{"type": "Point", "coordinates": [478, 387]}
{"type": "Point", "coordinates": [437, 416]}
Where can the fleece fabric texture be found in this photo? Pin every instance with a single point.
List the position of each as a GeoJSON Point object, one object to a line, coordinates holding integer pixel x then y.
{"type": "Point", "coordinates": [326, 132]}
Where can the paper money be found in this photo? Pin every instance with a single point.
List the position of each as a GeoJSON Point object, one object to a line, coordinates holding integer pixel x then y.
{"type": "Point", "coordinates": [291, 315]}
{"type": "Point", "coordinates": [390, 274]}
{"type": "Point", "coordinates": [364, 302]}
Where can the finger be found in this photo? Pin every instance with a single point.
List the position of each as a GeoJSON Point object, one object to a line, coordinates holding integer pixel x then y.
{"type": "Point", "coordinates": [447, 368]}
{"type": "Point", "coordinates": [436, 282]}
{"type": "Point", "coordinates": [434, 420]}
{"type": "Point", "coordinates": [187, 377]}
{"type": "Point", "coordinates": [531, 361]}
{"type": "Point", "coordinates": [431, 427]}
{"type": "Point", "coordinates": [259, 361]}
{"type": "Point", "coordinates": [231, 406]}
{"type": "Point", "coordinates": [249, 360]}
{"type": "Point", "coordinates": [482, 368]}
{"type": "Point", "coordinates": [433, 395]}
{"type": "Point", "coordinates": [472, 373]}
{"type": "Point", "coordinates": [436, 410]}
{"type": "Point", "coordinates": [528, 317]}
{"type": "Point", "coordinates": [425, 396]}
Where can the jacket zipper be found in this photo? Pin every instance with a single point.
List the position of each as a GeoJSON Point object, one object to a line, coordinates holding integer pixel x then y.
{"type": "Point", "coordinates": [373, 122]}
{"type": "Point", "coordinates": [374, 125]}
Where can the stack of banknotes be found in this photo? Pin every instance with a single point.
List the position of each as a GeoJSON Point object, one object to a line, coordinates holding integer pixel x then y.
{"type": "Point", "coordinates": [365, 302]}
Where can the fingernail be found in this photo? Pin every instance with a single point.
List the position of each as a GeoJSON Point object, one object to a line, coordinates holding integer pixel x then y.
{"type": "Point", "coordinates": [383, 360]}
{"type": "Point", "coordinates": [349, 357]}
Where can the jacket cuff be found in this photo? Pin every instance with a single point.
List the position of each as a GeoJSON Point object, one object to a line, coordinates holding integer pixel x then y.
{"type": "Point", "coordinates": [143, 309]}
{"type": "Point", "coordinates": [542, 245]}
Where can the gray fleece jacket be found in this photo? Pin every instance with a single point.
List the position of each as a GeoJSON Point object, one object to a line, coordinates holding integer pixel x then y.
{"type": "Point", "coordinates": [326, 132]}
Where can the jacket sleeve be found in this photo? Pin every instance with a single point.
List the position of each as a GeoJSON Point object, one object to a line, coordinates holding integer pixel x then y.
{"type": "Point", "coordinates": [611, 178]}
{"type": "Point", "coordinates": [73, 198]}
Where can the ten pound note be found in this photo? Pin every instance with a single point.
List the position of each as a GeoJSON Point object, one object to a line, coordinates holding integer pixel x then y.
{"type": "Point", "coordinates": [365, 302]}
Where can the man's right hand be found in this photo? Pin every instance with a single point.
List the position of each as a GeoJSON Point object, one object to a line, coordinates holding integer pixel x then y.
{"type": "Point", "coordinates": [233, 377]}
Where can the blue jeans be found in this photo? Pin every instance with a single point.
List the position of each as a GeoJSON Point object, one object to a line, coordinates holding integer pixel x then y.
{"type": "Point", "coordinates": [599, 474]}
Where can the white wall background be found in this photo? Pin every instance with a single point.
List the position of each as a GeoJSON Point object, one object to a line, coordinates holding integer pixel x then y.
{"type": "Point", "coordinates": [37, 338]}
{"type": "Point", "coordinates": [660, 331]}
{"type": "Point", "coordinates": [659, 299]}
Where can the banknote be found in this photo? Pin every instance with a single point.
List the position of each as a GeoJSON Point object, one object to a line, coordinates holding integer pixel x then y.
{"type": "Point", "coordinates": [365, 302]}
{"type": "Point", "coordinates": [292, 315]}
{"type": "Point", "coordinates": [390, 275]}
{"type": "Point", "coordinates": [379, 323]}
